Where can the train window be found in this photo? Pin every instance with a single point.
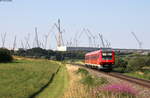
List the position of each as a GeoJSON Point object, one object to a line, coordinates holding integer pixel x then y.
{"type": "Point", "coordinates": [92, 57]}
{"type": "Point", "coordinates": [107, 56]}
{"type": "Point", "coordinates": [87, 58]}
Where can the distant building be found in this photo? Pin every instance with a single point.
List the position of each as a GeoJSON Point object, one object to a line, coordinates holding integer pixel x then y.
{"type": "Point", "coordinates": [88, 49]}
{"type": "Point", "coordinates": [65, 48]}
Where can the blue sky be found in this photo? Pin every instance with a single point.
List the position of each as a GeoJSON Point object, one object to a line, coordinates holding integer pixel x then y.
{"type": "Point", "coordinates": [115, 19]}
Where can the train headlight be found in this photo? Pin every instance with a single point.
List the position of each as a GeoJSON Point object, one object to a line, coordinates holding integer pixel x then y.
{"type": "Point", "coordinates": [109, 53]}
{"type": "Point", "coordinates": [104, 54]}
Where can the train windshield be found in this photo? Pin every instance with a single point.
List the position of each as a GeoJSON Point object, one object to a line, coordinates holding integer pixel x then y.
{"type": "Point", "coordinates": [107, 56]}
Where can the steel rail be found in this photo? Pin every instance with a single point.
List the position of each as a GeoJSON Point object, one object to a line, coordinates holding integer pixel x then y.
{"type": "Point", "coordinates": [141, 82]}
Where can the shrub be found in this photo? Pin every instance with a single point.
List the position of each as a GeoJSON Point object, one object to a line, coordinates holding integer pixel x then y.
{"type": "Point", "coordinates": [92, 81]}
{"type": "Point", "coordinates": [147, 61]}
{"type": "Point", "coordinates": [5, 55]}
{"type": "Point", "coordinates": [21, 52]}
{"type": "Point", "coordinates": [59, 56]}
{"type": "Point", "coordinates": [88, 80]}
{"type": "Point", "coordinates": [36, 52]}
{"type": "Point", "coordinates": [83, 71]}
{"type": "Point", "coordinates": [136, 63]}
{"type": "Point", "coordinates": [120, 64]}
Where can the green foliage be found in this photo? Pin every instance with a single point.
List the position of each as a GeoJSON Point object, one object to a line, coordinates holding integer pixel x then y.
{"type": "Point", "coordinates": [5, 55]}
{"type": "Point", "coordinates": [36, 52]}
{"type": "Point", "coordinates": [120, 64]}
{"type": "Point", "coordinates": [50, 54]}
{"type": "Point", "coordinates": [90, 80]}
{"type": "Point", "coordinates": [59, 56]}
{"type": "Point", "coordinates": [147, 61]}
{"type": "Point", "coordinates": [20, 52]}
{"type": "Point", "coordinates": [132, 62]}
{"type": "Point", "coordinates": [136, 63]}
{"type": "Point", "coordinates": [82, 71]}
{"type": "Point", "coordinates": [23, 78]}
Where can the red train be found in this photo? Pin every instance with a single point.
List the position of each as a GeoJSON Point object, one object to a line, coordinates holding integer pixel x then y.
{"type": "Point", "coordinates": [100, 59]}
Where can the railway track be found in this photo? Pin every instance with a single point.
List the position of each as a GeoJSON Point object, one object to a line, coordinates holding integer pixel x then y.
{"type": "Point", "coordinates": [141, 82]}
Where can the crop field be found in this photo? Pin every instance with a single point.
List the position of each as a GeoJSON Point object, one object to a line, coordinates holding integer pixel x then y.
{"type": "Point", "coordinates": [24, 77]}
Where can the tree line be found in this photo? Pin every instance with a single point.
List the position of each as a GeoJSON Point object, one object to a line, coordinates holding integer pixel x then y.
{"type": "Point", "coordinates": [49, 54]}
{"type": "Point", "coordinates": [132, 62]}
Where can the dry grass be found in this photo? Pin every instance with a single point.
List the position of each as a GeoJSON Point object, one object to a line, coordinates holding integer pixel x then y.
{"type": "Point", "coordinates": [75, 89]}
{"type": "Point", "coordinates": [78, 90]}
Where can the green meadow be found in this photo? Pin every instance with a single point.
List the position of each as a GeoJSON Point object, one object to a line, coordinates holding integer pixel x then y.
{"type": "Point", "coordinates": [25, 77]}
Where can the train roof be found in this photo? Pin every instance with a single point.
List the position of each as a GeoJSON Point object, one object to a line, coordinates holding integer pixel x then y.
{"type": "Point", "coordinates": [101, 49]}
{"type": "Point", "coordinates": [106, 49]}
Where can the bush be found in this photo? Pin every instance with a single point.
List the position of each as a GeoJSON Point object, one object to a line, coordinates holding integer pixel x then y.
{"type": "Point", "coordinates": [92, 81]}
{"type": "Point", "coordinates": [59, 56]}
{"type": "Point", "coordinates": [5, 55]}
{"type": "Point", "coordinates": [148, 54]}
{"type": "Point", "coordinates": [89, 80]}
{"type": "Point", "coordinates": [20, 52]}
{"type": "Point", "coordinates": [36, 52]}
{"type": "Point", "coordinates": [136, 63]}
{"type": "Point", "coordinates": [83, 71]}
{"type": "Point", "coordinates": [147, 61]}
{"type": "Point", "coordinates": [120, 64]}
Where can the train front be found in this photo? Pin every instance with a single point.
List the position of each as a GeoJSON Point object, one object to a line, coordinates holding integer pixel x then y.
{"type": "Point", "coordinates": [107, 58]}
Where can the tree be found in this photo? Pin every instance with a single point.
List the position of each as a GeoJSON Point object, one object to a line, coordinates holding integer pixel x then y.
{"type": "Point", "coordinates": [121, 64]}
{"type": "Point", "coordinates": [5, 55]}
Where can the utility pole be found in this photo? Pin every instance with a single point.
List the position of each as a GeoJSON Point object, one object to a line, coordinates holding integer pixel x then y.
{"type": "Point", "coordinates": [108, 45]}
{"type": "Point", "coordinates": [14, 44]}
{"type": "Point", "coordinates": [90, 39]}
{"type": "Point", "coordinates": [79, 36]}
{"type": "Point", "coordinates": [46, 37]}
{"type": "Point", "coordinates": [70, 42]}
{"type": "Point", "coordinates": [36, 38]}
{"type": "Point", "coordinates": [22, 44]}
{"type": "Point", "coordinates": [139, 42]}
{"type": "Point", "coordinates": [101, 37]}
{"type": "Point", "coordinates": [75, 40]}
{"type": "Point", "coordinates": [3, 37]}
{"type": "Point", "coordinates": [94, 40]}
{"type": "Point", "coordinates": [59, 37]}
{"type": "Point", "coordinates": [27, 41]}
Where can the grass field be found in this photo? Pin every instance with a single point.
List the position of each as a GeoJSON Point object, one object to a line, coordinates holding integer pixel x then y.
{"type": "Point", "coordinates": [58, 86]}
{"type": "Point", "coordinates": [25, 77]}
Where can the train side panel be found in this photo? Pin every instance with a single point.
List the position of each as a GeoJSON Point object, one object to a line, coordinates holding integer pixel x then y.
{"type": "Point", "coordinates": [100, 59]}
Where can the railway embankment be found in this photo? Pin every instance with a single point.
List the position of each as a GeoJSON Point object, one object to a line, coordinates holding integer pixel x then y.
{"type": "Point", "coordinates": [141, 91]}
{"type": "Point", "coordinates": [83, 84]}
